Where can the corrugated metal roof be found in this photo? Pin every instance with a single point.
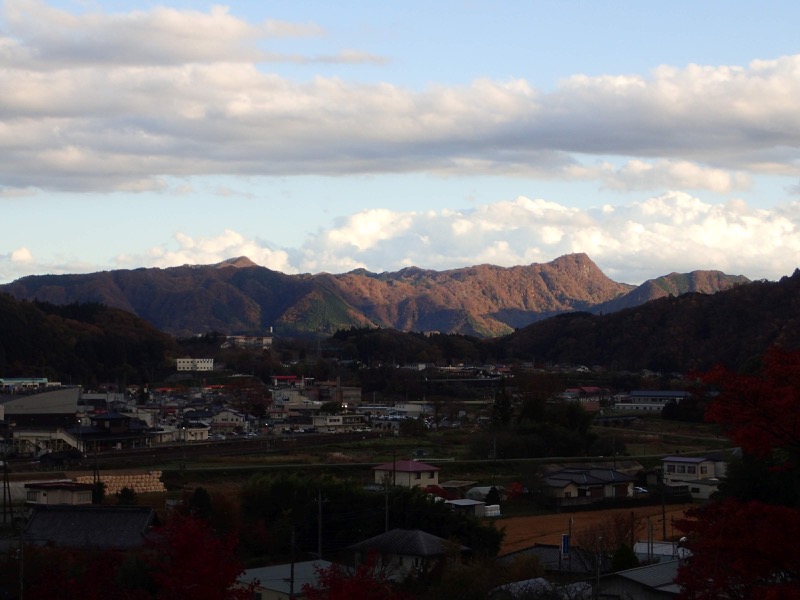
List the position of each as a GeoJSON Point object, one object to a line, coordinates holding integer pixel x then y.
{"type": "Point", "coordinates": [278, 577]}
{"type": "Point", "coordinates": [660, 575]}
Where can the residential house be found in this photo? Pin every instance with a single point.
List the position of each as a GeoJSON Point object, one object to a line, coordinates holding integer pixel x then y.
{"type": "Point", "coordinates": [282, 582]}
{"type": "Point", "coordinates": [406, 552]}
{"type": "Point", "coordinates": [589, 397]}
{"type": "Point", "coordinates": [90, 527]}
{"type": "Point", "coordinates": [227, 420]}
{"type": "Point", "coordinates": [406, 473]}
{"type": "Point", "coordinates": [58, 492]}
{"type": "Point", "coordinates": [576, 485]}
{"type": "Point", "coordinates": [678, 469]}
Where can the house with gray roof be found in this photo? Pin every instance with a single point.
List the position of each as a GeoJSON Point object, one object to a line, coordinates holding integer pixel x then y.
{"type": "Point", "coordinates": [584, 485]}
{"type": "Point", "coordinates": [90, 527]}
{"type": "Point", "coordinates": [406, 552]}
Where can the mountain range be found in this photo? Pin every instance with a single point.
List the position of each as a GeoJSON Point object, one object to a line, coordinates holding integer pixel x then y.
{"type": "Point", "coordinates": [237, 296]}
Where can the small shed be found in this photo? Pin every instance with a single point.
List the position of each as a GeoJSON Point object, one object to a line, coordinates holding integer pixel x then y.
{"type": "Point", "coordinates": [476, 508]}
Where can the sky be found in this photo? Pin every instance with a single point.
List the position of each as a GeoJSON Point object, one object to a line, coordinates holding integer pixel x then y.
{"type": "Point", "coordinates": [320, 136]}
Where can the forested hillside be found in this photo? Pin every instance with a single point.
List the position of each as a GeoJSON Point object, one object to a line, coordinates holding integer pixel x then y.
{"type": "Point", "coordinates": [81, 343]}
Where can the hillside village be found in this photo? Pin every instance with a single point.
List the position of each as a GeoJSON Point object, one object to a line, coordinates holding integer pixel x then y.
{"type": "Point", "coordinates": [376, 442]}
{"type": "Point", "coordinates": [50, 428]}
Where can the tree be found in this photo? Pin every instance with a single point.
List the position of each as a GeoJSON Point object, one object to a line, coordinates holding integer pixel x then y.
{"type": "Point", "coordinates": [199, 504]}
{"type": "Point", "coordinates": [758, 410]}
{"type": "Point", "coordinates": [493, 496]}
{"type": "Point", "coordinates": [743, 547]}
{"type": "Point", "coordinates": [624, 558]}
{"type": "Point", "coordinates": [742, 550]}
{"type": "Point", "coordinates": [98, 492]}
{"type": "Point", "coordinates": [367, 581]}
{"type": "Point", "coordinates": [127, 497]}
{"type": "Point", "coordinates": [190, 563]}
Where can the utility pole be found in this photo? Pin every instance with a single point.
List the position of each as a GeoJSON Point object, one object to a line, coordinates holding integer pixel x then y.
{"type": "Point", "coordinates": [663, 506]}
{"type": "Point", "coordinates": [291, 569]}
{"type": "Point", "coordinates": [319, 523]}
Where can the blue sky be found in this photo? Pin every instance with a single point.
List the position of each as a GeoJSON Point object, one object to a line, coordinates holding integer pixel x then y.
{"type": "Point", "coordinates": [318, 136]}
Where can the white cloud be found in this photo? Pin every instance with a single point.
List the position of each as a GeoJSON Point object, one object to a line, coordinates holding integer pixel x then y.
{"type": "Point", "coordinates": [53, 38]}
{"type": "Point", "coordinates": [645, 239]}
{"type": "Point", "coordinates": [87, 106]}
{"type": "Point", "coordinates": [21, 255]}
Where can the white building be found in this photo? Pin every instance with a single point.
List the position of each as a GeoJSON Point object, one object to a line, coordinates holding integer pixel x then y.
{"type": "Point", "coordinates": [649, 400]}
{"type": "Point", "coordinates": [195, 364]}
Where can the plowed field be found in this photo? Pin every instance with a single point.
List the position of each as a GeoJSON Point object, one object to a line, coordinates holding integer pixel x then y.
{"type": "Point", "coordinates": [522, 532]}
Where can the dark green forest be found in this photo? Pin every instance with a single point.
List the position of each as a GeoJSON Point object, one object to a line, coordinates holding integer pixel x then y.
{"type": "Point", "coordinates": [79, 343]}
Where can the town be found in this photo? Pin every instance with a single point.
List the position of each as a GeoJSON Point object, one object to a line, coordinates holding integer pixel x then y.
{"type": "Point", "coordinates": [426, 472]}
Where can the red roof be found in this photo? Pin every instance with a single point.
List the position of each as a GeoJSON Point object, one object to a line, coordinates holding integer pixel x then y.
{"type": "Point", "coordinates": [406, 466]}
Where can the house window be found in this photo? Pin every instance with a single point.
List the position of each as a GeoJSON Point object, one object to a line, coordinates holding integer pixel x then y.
{"type": "Point", "coordinates": [430, 475]}
{"type": "Point", "coordinates": [670, 468]}
{"type": "Point", "coordinates": [691, 470]}
{"type": "Point", "coordinates": [419, 475]}
{"type": "Point", "coordinates": [681, 468]}
{"type": "Point", "coordinates": [32, 496]}
{"type": "Point", "coordinates": [703, 470]}
{"type": "Point", "coordinates": [695, 490]}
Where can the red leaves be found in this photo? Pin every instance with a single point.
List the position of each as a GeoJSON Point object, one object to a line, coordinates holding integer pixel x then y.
{"type": "Point", "coordinates": [367, 581]}
{"type": "Point", "coordinates": [760, 412]}
{"type": "Point", "coordinates": [193, 564]}
{"type": "Point", "coordinates": [741, 550]}
{"type": "Point", "coordinates": [749, 549]}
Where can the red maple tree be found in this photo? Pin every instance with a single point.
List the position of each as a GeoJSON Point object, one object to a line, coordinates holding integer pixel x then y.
{"type": "Point", "coordinates": [746, 548]}
{"type": "Point", "coordinates": [761, 411]}
{"type": "Point", "coordinates": [367, 581]}
{"type": "Point", "coordinates": [191, 563]}
{"type": "Point", "coordinates": [742, 550]}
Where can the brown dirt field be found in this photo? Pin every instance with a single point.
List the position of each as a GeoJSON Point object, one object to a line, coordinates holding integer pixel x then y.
{"type": "Point", "coordinates": [522, 532]}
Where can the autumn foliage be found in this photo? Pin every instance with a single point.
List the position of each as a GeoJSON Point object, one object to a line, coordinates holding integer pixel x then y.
{"type": "Point", "coordinates": [190, 563]}
{"type": "Point", "coordinates": [743, 550]}
{"type": "Point", "coordinates": [743, 547]}
{"type": "Point", "coordinates": [760, 412]}
{"type": "Point", "coordinates": [182, 560]}
{"type": "Point", "coordinates": [367, 581]}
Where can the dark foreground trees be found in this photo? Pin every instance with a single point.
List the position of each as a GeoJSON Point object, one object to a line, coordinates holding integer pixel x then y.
{"type": "Point", "coordinates": [744, 543]}
{"type": "Point", "coordinates": [183, 559]}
